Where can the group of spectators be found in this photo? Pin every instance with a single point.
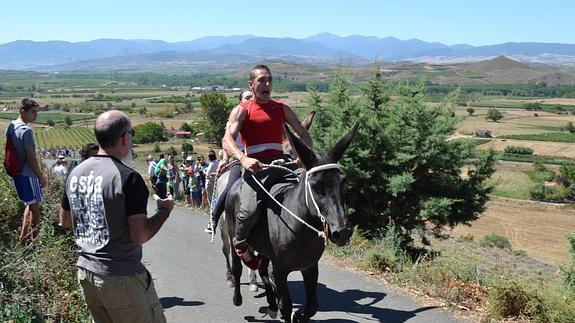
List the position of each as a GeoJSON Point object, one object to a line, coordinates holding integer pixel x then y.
{"type": "Point", "coordinates": [61, 168]}
{"type": "Point", "coordinates": [55, 153]}
{"type": "Point", "coordinates": [196, 177]}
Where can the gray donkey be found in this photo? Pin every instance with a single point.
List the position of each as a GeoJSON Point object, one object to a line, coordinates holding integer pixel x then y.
{"type": "Point", "coordinates": [295, 242]}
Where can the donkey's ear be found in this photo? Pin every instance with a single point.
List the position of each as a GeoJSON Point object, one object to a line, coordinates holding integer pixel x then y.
{"type": "Point", "coordinates": [306, 123]}
{"type": "Point", "coordinates": [337, 151]}
{"type": "Point", "coordinates": [305, 153]}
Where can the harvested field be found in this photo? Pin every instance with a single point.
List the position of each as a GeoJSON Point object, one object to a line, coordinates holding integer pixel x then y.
{"type": "Point", "coordinates": [544, 148]}
{"type": "Point", "coordinates": [538, 228]}
{"type": "Point", "coordinates": [515, 121]}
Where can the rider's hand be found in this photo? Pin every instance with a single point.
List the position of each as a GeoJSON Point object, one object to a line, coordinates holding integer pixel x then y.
{"type": "Point", "coordinates": [222, 167]}
{"type": "Point", "coordinates": [251, 164]}
{"type": "Point", "coordinates": [299, 163]}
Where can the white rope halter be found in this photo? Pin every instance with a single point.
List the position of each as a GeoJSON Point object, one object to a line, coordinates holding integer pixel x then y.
{"type": "Point", "coordinates": [307, 188]}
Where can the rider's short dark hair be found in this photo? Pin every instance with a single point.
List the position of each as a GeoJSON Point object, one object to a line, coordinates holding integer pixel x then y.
{"type": "Point", "coordinates": [259, 67]}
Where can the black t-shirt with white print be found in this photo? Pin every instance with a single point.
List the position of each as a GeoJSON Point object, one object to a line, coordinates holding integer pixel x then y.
{"type": "Point", "coordinates": [101, 193]}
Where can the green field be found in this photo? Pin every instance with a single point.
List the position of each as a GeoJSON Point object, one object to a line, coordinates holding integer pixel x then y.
{"type": "Point", "coordinates": [552, 136]}
{"type": "Point", "coordinates": [44, 117]}
{"type": "Point", "coordinates": [63, 137]}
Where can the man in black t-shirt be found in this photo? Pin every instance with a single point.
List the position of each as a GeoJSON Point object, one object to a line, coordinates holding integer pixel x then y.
{"type": "Point", "coordinates": [105, 204]}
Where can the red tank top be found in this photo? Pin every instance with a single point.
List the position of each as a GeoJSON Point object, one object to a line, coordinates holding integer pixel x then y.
{"type": "Point", "coordinates": [263, 129]}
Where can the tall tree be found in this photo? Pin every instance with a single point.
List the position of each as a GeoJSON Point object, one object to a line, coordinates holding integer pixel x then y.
{"type": "Point", "coordinates": [216, 110]}
{"type": "Point", "coordinates": [400, 166]}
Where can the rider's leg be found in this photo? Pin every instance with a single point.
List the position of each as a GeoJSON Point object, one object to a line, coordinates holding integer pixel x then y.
{"type": "Point", "coordinates": [235, 174]}
{"type": "Point", "coordinates": [249, 203]}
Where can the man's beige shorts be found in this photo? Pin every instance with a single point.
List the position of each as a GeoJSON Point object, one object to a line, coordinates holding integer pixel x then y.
{"type": "Point", "coordinates": [121, 298]}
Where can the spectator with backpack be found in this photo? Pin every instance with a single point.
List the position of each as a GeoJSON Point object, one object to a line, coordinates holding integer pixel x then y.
{"type": "Point", "coordinates": [21, 164]}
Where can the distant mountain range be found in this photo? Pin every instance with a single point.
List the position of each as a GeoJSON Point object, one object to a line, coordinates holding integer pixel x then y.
{"type": "Point", "coordinates": [217, 51]}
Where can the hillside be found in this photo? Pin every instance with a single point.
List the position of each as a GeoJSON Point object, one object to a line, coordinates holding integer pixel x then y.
{"type": "Point", "coordinates": [321, 49]}
{"type": "Point", "coordinates": [502, 69]}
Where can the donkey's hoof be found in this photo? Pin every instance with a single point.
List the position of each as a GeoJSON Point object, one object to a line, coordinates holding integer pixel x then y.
{"type": "Point", "coordinates": [297, 317]}
{"type": "Point", "coordinates": [273, 314]}
{"type": "Point", "coordinates": [231, 283]}
{"type": "Point", "coordinates": [238, 300]}
{"type": "Point", "coordinates": [253, 287]}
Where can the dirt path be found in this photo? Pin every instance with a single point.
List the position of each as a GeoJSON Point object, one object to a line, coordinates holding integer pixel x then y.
{"type": "Point", "coordinates": [538, 228]}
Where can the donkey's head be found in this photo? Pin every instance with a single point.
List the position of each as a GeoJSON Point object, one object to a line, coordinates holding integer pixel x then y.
{"type": "Point", "coordinates": [325, 185]}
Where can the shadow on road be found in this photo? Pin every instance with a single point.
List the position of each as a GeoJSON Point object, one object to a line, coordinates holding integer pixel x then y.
{"type": "Point", "coordinates": [361, 305]}
{"type": "Point", "coordinates": [168, 302]}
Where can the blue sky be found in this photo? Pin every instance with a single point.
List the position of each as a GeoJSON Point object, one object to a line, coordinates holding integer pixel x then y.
{"type": "Point", "coordinates": [477, 22]}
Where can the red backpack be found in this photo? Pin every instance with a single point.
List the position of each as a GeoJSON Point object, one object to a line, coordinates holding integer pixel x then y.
{"type": "Point", "coordinates": [11, 162]}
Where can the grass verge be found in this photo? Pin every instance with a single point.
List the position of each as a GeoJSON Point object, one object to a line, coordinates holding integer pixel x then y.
{"type": "Point", "coordinates": [462, 277]}
{"type": "Point", "coordinates": [37, 281]}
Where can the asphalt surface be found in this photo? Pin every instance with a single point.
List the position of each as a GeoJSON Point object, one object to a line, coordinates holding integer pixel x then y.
{"type": "Point", "coordinates": [189, 273]}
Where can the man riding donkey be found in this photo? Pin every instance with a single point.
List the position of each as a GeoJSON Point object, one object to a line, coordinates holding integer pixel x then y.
{"type": "Point", "coordinates": [260, 122]}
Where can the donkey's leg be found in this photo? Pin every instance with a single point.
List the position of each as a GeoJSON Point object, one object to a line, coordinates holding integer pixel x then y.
{"type": "Point", "coordinates": [310, 276]}
{"type": "Point", "coordinates": [237, 272]}
{"type": "Point", "coordinates": [282, 292]}
{"type": "Point", "coordinates": [272, 309]}
{"type": "Point", "coordinates": [253, 281]}
{"type": "Point", "coordinates": [226, 251]}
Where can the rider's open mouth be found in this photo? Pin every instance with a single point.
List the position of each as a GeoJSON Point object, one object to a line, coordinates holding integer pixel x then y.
{"type": "Point", "coordinates": [266, 92]}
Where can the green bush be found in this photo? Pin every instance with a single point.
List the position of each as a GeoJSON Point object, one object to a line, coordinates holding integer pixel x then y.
{"type": "Point", "coordinates": [387, 252]}
{"type": "Point", "coordinates": [187, 147]}
{"type": "Point", "coordinates": [157, 148]}
{"type": "Point", "coordinates": [558, 193]}
{"type": "Point", "coordinates": [511, 298]}
{"type": "Point", "coordinates": [518, 150]}
{"type": "Point", "coordinates": [568, 172]}
{"type": "Point", "coordinates": [541, 176]}
{"type": "Point", "coordinates": [494, 240]}
{"type": "Point", "coordinates": [558, 305]}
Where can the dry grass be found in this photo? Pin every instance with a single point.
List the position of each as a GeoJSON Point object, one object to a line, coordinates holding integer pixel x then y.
{"type": "Point", "coordinates": [538, 228]}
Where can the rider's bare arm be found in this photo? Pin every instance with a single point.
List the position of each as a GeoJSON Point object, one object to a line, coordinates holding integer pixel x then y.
{"type": "Point", "coordinates": [235, 121]}
{"type": "Point", "coordinates": [292, 120]}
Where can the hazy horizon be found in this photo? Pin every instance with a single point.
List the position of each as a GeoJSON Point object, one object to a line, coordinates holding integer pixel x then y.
{"type": "Point", "coordinates": [449, 22]}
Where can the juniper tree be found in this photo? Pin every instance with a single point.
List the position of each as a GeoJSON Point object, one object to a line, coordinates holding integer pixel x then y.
{"type": "Point", "coordinates": [400, 166]}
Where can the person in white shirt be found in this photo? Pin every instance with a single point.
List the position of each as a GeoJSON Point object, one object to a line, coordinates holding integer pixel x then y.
{"type": "Point", "coordinates": [211, 172]}
{"type": "Point", "coordinates": [60, 168]}
{"type": "Point", "coordinates": [151, 170]}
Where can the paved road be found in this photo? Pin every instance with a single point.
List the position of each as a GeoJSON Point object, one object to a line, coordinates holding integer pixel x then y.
{"type": "Point", "coordinates": [189, 276]}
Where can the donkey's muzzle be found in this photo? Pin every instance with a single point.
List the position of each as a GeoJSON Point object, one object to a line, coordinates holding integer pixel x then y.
{"type": "Point", "coordinates": [340, 237]}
